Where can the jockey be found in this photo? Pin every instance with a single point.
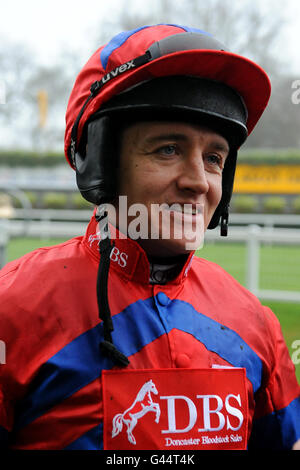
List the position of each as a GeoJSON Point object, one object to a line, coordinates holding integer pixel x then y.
{"type": "Point", "coordinates": [153, 127]}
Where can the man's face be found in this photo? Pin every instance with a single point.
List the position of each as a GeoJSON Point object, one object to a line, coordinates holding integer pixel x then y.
{"type": "Point", "coordinates": [174, 164]}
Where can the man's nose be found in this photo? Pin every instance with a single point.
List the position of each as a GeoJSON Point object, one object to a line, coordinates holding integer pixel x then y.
{"type": "Point", "coordinates": [193, 176]}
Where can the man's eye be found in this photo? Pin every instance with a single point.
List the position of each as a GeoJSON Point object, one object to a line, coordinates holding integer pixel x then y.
{"type": "Point", "coordinates": [167, 150]}
{"type": "Point", "coordinates": [214, 160]}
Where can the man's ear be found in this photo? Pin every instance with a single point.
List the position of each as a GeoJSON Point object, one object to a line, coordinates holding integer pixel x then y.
{"type": "Point", "coordinates": [95, 171]}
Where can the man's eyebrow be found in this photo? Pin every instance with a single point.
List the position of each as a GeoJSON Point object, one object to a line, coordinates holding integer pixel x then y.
{"type": "Point", "coordinates": [216, 145]}
{"type": "Point", "coordinates": [220, 146]}
{"type": "Point", "coordinates": [161, 137]}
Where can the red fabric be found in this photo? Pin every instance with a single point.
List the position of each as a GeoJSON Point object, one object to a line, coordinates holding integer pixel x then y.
{"type": "Point", "coordinates": [48, 304]}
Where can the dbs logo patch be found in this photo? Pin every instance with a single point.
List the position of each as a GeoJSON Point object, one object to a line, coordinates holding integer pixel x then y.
{"type": "Point", "coordinates": [175, 409]}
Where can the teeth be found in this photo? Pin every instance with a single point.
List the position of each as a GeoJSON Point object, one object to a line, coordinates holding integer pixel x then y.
{"type": "Point", "coordinates": [186, 210]}
{"type": "Point", "coordinates": [190, 210]}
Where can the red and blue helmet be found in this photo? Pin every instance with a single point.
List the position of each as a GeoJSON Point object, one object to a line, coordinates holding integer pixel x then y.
{"type": "Point", "coordinates": [161, 72]}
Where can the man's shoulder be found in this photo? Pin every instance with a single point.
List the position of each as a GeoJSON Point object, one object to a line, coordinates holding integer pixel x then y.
{"type": "Point", "coordinates": [202, 265]}
{"type": "Point", "coordinates": [229, 302]}
{"type": "Point", "coordinates": [221, 283]}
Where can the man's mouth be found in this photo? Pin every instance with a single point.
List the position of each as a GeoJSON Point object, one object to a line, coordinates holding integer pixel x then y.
{"type": "Point", "coordinates": [186, 208]}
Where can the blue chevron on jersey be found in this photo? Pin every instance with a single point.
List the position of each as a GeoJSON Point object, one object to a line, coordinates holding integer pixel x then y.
{"type": "Point", "coordinates": [64, 374]}
{"type": "Point", "coordinates": [50, 386]}
{"type": "Point", "coordinates": [132, 331]}
{"type": "Point", "coordinates": [91, 440]}
{"type": "Point", "coordinates": [278, 430]}
{"type": "Point", "coordinates": [216, 337]}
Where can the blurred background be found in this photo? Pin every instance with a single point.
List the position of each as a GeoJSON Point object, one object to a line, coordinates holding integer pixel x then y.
{"type": "Point", "coordinates": [43, 45]}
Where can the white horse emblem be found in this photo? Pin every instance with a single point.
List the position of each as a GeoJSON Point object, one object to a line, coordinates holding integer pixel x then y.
{"type": "Point", "coordinates": [141, 405]}
{"type": "Point", "coordinates": [94, 237]}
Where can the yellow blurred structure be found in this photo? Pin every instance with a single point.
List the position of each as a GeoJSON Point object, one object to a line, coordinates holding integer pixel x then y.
{"type": "Point", "coordinates": [272, 179]}
{"type": "Point", "coordinates": [42, 98]}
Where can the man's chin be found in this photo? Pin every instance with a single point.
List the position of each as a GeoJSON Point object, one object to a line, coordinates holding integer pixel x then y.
{"type": "Point", "coordinates": [169, 248]}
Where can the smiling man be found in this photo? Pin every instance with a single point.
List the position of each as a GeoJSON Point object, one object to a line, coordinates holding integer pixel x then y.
{"type": "Point", "coordinates": [176, 166]}
{"type": "Point", "coordinates": [123, 338]}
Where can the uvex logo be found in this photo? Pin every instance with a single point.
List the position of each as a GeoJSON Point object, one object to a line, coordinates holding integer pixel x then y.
{"type": "Point", "coordinates": [117, 71]}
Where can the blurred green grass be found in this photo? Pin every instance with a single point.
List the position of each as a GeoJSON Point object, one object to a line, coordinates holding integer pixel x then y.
{"type": "Point", "coordinates": [18, 247]}
{"type": "Point", "coordinates": [279, 264]}
{"type": "Point", "coordinates": [288, 315]}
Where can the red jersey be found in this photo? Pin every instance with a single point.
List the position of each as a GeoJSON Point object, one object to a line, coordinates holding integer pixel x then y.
{"type": "Point", "coordinates": [51, 382]}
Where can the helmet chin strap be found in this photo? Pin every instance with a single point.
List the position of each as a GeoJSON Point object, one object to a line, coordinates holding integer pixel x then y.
{"type": "Point", "coordinates": [105, 247]}
{"type": "Point", "coordinates": [224, 222]}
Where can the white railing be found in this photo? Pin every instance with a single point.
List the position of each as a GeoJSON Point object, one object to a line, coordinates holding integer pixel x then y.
{"type": "Point", "coordinates": [3, 242]}
{"type": "Point", "coordinates": [254, 236]}
{"type": "Point", "coordinates": [266, 220]}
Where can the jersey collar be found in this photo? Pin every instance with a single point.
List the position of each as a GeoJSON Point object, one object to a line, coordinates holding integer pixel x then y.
{"type": "Point", "coordinates": [127, 257]}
